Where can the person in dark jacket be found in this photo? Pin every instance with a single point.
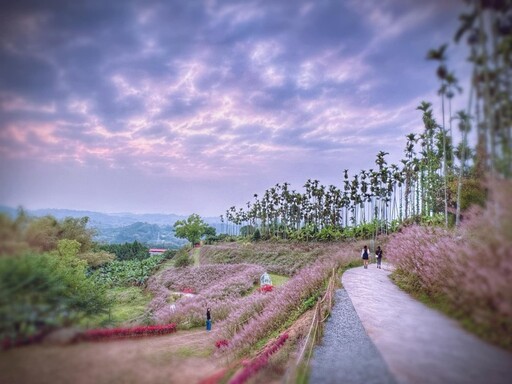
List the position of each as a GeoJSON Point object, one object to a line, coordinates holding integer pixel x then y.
{"type": "Point", "coordinates": [208, 319]}
{"type": "Point", "coordinates": [365, 255]}
{"type": "Point", "coordinates": [378, 256]}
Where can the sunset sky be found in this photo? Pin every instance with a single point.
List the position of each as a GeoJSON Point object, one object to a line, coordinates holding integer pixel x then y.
{"type": "Point", "coordinates": [194, 106]}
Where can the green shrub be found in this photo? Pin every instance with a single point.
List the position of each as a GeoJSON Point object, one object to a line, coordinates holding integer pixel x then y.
{"type": "Point", "coordinates": [169, 254]}
{"type": "Point", "coordinates": [257, 235]}
{"type": "Point", "coordinates": [182, 259]}
{"type": "Point", "coordinates": [40, 291]}
{"type": "Point", "coordinates": [96, 259]}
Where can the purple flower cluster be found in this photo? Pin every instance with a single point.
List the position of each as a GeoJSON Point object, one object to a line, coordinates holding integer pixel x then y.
{"type": "Point", "coordinates": [217, 286]}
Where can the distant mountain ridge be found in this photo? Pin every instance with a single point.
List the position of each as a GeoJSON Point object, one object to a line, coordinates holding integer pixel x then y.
{"type": "Point", "coordinates": [151, 228]}
{"type": "Point", "coordinates": [113, 219]}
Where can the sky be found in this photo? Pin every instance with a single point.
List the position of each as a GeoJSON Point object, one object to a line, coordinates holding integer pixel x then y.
{"type": "Point", "coordinates": [163, 106]}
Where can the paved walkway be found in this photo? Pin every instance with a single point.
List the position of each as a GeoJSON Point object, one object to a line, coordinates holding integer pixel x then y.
{"type": "Point", "coordinates": [419, 344]}
{"type": "Point", "coordinates": [346, 353]}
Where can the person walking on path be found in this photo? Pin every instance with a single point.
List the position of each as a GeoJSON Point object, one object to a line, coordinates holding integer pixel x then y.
{"type": "Point", "coordinates": [378, 256]}
{"type": "Point", "coordinates": [208, 319]}
{"type": "Point", "coordinates": [365, 255]}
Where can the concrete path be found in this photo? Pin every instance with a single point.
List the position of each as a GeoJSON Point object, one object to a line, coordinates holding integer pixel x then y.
{"type": "Point", "coordinates": [419, 344]}
{"type": "Point", "coordinates": [346, 353]}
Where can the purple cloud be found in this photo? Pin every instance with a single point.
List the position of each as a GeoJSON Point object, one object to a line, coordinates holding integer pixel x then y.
{"type": "Point", "coordinates": [156, 106]}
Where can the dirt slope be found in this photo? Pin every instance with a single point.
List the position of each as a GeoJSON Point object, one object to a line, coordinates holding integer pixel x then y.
{"type": "Point", "coordinates": [184, 357]}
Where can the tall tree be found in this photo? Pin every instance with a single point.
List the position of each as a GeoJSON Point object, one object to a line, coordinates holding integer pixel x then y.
{"type": "Point", "coordinates": [192, 229]}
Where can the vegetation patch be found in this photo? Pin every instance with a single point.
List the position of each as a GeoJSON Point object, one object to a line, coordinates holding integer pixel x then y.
{"type": "Point", "coordinates": [278, 280]}
{"type": "Point", "coordinates": [44, 291]}
{"type": "Point", "coordinates": [127, 272]}
{"type": "Point", "coordinates": [127, 305]}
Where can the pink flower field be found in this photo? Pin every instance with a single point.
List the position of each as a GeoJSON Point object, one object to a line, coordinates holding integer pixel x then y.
{"type": "Point", "coordinates": [469, 268]}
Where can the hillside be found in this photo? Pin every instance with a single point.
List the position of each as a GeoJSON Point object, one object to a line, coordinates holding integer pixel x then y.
{"type": "Point", "coordinates": [150, 228]}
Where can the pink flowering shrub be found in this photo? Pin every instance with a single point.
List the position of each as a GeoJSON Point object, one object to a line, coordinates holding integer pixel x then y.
{"type": "Point", "coordinates": [252, 323]}
{"type": "Point", "coordinates": [217, 286]}
{"type": "Point", "coordinates": [471, 268]}
{"type": "Point", "coordinates": [424, 256]}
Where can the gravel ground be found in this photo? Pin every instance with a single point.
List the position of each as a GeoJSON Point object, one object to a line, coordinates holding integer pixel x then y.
{"type": "Point", "coordinates": [346, 353]}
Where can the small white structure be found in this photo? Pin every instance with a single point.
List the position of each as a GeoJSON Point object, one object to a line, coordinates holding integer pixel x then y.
{"type": "Point", "coordinates": [157, 251]}
{"type": "Point", "coordinates": [265, 279]}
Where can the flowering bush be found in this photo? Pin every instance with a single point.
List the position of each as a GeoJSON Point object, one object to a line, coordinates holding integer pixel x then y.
{"type": "Point", "coordinates": [470, 268]}
{"type": "Point", "coordinates": [255, 319]}
{"type": "Point", "coordinates": [221, 343]}
{"type": "Point", "coordinates": [187, 290]}
{"type": "Point", "coordinates": [113, 333]}
{"type": "Point", "coordinates": [217, 286]}
{"type": "Point", "coordinates": [266, 288]}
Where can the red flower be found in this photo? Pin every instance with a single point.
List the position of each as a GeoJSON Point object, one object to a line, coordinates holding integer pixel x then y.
{"type": "Point", "coordinates": [221, 343]}
{"type": "Point", "coordinates": [266, 288]}
{"type": "Point", "coordinates": [259, 362]}
{"type": "Point", "coordinates": [111, 333]}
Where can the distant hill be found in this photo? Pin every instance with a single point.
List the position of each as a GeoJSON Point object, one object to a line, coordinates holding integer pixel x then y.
{"type": "Point", "coordinates": [149, 228]}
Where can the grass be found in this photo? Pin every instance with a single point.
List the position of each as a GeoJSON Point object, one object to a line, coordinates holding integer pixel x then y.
{"type": "Point", "coordinates": [285, 258]}
{"type": "Point", "coordinates": [128, 303]}
{"type": "Point", "coordinates": [193, 352]}
{"type": "Point", "coordinates": [166, 265]}
{"type": "Point", "coordinates": [195, 256]}
{"type": "Point", "coordinates": [278, 280]}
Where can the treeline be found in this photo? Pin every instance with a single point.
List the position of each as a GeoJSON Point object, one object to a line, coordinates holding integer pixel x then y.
{"type": "Point", "coordinates": [127, 251]}
{"type": "Point", "coordinates": [437, 178]}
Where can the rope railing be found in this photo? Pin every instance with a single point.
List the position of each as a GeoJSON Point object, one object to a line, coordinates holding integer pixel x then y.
{"type": "Point", "coordinates": [301, 363]}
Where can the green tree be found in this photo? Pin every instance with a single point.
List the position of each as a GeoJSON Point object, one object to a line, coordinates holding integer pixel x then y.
{"type": "Point", "coordinates": [76, 229]}
{"type": "Point", "coordinates": [192, 229]}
